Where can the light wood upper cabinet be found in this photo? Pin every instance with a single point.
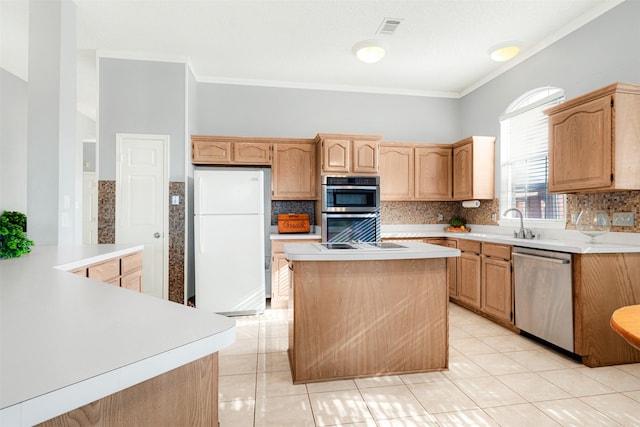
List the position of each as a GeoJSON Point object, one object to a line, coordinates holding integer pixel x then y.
{"type": "Point", "coordinates": [474, 168]}
{"type": "Point", "coordinates": [415, 171]}
{"type": "Point", "coordinates": [228, 150]}
{"type": "Point", "coordinates": [294, 171]}
{"type": "Point", "coordinates": [365, 156]}
{"type": "Point", "coordinates": [433, 178]}
{"type": "Point", "coordinates": [348, 154]}
{"type": "Point", "coordinates": [594, 141]}
{"type": "Point", "coordinates": [396, 171]}
{"type": "Point", "coordinates": [252, 153]}
{"type": "Point", "coordinates": [336, 155]}
{"type": "Point", "coordinates": [207, 151]}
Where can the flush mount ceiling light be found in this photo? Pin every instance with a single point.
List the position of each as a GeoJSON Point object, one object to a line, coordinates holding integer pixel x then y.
{"type": "Point", "coordinates": [370, 51]}
{"type": "Point", "coordinates": [504, 51]}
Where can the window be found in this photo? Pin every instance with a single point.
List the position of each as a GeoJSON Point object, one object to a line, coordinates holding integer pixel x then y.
{"type": "Point", "coordinates": [524, 159]}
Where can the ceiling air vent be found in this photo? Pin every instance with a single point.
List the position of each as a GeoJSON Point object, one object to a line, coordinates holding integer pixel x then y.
{"type": "Point", "coordinates": [388, 26]}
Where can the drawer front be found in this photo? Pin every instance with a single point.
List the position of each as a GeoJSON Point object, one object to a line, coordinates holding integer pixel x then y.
{"type": "Point", "coordinates": [277, 246]}
{"type": "Point", "coordinates": [105, 271]}
{"type": "Point", "coordinates": [469, 246]}
{"type": "Point", "coordinates": [132, 281]}
{"type": "Point", "coordinates": [131, 263]}
{"type": "Point", "coordinates": [496, 251]}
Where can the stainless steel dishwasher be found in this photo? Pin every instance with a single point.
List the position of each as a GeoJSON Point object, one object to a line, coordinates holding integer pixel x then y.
{"type": "Point", "coordinates": [543, 295]}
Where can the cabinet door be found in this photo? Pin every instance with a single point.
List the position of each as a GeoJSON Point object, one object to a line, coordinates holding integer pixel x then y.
{"type": "Point", "coordinates": [205, 152]}
{"type": "Point", "coordinates": [496, 288]}
{"type": "Point", "coordinates": [336, 155]}
{"type": "Point", "coordinates": [132, 281]}
{"type": "Point", "coordinates": [106, 271]}
{"type": "Point", "coordinates": [365, 156]}
{"type": "Point", "coordinates": [279, 281]}
{"type": "Point", "coordinates": [294, 172]}
{"type": "Point", "coordinates": [580, 147]}
{"type": "Point", "coordinates": [396, 172]}
{"type": "Point", "coordinates": [463, 172]}
{"type": "Point", "coordinates": [252, 153]}
{"type": "Point", "coordinates": [469, 278]}
{"type": "Point", "coordinates": [433, 173]}
{"type": "Point", "coordinates": [452, 265]}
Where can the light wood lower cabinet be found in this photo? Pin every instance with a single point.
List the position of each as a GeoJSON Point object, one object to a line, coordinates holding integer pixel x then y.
{"type": "Point", "coordinates": [469, 276]}
{"type": "Point", "coordinates": [602, 283]}
{"type": "Point", "coordinates": [123, 271]}
{"type": "Point", "coordinates": [496, 283]}
{"type": "Point", "coordinates": [280, 271]}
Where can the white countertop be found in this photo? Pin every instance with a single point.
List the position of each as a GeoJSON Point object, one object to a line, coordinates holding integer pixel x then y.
{"type": "Point", "coordinates": [563, 241]}
{"type": "Point", "coordinates": [67, 340]}
{"type": "Point", "coordinates": [366, 252]}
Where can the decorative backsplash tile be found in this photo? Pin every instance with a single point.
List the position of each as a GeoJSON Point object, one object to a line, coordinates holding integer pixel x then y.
{"type": "Point", "coordinates": [176, 243]}
{"type": "Point", "coordinates": [293, 206]}
{"type": "Point", "coordinates": [106, 211]}
{"type": "Point", "coordinates": [622, 201]}
{"type": "Point", "coordinates": [427, 212]}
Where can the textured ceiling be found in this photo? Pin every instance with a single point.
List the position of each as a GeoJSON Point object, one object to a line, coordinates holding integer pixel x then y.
{"type": "Point", "coordinates": [439, 49]}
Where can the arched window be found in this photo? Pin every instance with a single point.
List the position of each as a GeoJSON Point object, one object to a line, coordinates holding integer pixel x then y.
{"type": "Point", "coordinates": [525, 159]}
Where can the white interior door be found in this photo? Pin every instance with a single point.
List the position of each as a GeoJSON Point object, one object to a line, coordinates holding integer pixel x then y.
{"type": "Point", "coordinates": [142, 204]}
{"type": "Point", "coordinates": [90, 207]}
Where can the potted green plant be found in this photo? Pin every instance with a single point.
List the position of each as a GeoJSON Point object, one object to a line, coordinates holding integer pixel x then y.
{"type": "Point", "coordinates": [13, 242]}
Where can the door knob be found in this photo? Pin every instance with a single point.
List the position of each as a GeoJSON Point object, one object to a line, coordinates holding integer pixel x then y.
{"type": "Point", "coordinates": [156, 235]}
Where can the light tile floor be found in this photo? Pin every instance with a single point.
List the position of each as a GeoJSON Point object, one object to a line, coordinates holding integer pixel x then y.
{"type": "Point", "coordinates": [495, 378]}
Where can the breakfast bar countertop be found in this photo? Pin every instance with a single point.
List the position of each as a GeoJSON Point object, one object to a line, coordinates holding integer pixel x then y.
{"type": "Point", "coordinates": [68, 340]}
{"type": "Point", "coordinates": [366, 252]}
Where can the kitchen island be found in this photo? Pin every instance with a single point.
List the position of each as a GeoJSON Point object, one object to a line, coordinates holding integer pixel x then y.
{"type": "Point", "coordinates": [79, 351]}
{"type": "Point", "coordinates": [367, 310]}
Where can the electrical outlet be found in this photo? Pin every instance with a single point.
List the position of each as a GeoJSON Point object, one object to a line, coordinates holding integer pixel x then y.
{"type": "Point", "coordinates": [175, 200]}
{"type": "Point", "coordinates": [493, 217]}
{"type": "Point", "coordinates": [440, 217]}
{"type": "Point", "coordinates": [624, 219]}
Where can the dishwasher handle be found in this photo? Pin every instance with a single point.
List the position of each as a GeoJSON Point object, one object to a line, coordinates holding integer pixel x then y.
{"type": "Point", "coordinates": [542, 258]}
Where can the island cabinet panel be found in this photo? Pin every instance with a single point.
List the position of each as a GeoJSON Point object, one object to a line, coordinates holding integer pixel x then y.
{"type": "Point", "coordinates": [396, 171]}
{"type": "Point", "coordinates": [367, 318]}
{"type": "Point", "coordinates": [293, 176]}
{"type": "Point", "coordinates": [452, 264]}
{"type": "Point", "coordinates": [187, 395]}
{"type": "Point", "coordinates": [594, 141]}
{"type": "Point", "coordinates": [108, 271]}
{"type": "Point", "coordinates": [602, 283]}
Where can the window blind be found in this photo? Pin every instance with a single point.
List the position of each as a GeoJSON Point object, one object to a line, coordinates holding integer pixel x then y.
{"type": "Point", "coordinates": [525, 165]}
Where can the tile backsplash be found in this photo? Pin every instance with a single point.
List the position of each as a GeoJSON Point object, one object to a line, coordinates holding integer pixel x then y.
{"type": "Point", "coordinates": [427, 212]}
{"type": "Point", "coordinates": [621, 201]}
{"type": "Point", "coordinates": [293, 206]}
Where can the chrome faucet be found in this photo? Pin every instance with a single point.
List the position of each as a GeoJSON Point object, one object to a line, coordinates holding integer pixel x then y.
{"type": "Point", "coordinates": [523, 233]}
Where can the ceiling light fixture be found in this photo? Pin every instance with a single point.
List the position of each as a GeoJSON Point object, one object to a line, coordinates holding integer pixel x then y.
{"type": "Point", "coordinates": [370, 51]}
{"type": "Point", "coordinates": [504, 51]}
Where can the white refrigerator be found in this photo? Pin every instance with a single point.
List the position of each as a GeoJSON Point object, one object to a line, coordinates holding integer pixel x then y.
{"type": "Point", "coordinates": [229, 241]}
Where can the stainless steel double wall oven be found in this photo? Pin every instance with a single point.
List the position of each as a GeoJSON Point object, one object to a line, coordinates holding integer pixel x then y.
{"type": "Point", "coordinates": [350, 208]}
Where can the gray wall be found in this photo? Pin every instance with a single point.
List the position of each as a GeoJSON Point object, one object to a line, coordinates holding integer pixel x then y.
{"type": "Point", "coordinates": [144, 97]}
{"type": "Point", "coordinates": [602, 52]}
{"type": "Point", "coordinates": [301, 113]}
{"type": "Point", "coordinates": [13, 143]}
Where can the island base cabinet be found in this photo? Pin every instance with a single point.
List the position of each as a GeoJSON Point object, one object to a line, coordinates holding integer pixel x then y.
{"type": "Point", "coordinates": [367, 318]}
{"type": "Point", "coordinates": [602, 284]}
{"type": "Point", "coordinates": [185, 396]}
